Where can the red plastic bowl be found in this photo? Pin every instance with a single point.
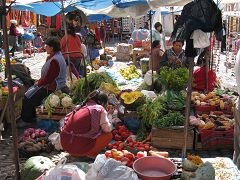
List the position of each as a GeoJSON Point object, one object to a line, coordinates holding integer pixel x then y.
{"type": "Point", "coordinates": [154, 168]}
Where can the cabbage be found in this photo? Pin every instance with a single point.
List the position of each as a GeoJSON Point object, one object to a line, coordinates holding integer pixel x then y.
{"type": "Point", "coordinates": [54, 100]}
{"type": "Point", "coordinates": [66, 102]}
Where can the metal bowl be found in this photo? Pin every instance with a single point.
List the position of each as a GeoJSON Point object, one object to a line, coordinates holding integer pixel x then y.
{"type": "Point", "coordinates": [154, 168]}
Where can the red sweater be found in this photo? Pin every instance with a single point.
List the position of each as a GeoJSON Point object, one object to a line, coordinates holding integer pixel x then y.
{"type": "Point", "coordinates": [74, 45]}
{"type": "Point", "coordinates": [199, 76]}
{"type": "Point", "coordinates": [52, 74]}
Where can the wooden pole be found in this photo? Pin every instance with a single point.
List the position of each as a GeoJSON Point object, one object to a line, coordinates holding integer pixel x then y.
{"type": "Point", "coordinates": [66, 34]}
{"type": "Point", "coordinates": [150, 57]}
{"type": "Point", "coordinates": [10, 89]}
{"type": "Point", "coordinates": [188, 105]}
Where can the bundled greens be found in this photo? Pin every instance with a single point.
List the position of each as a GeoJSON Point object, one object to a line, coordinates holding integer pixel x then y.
{"type": "Point", "coordinates": [174, 100]}
{"type": "Point", "coordinates": [171, 119]}
{"type": "Point", "coordinates": [82, 88]}
{"type": "Point", "coordinates": [173, 79]}
{"type": "Point", "coordinates": [151, 111]}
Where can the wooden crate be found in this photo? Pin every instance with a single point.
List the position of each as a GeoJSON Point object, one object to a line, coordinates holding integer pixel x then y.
{"type": "Point", "coordinates": [172, 138]}
{"type": "Point", "coordinates": [57, 115]}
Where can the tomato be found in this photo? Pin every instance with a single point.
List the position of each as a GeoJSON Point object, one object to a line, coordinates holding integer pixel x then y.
{"type": "Point", "coordinates": [108, 154]}
{"type": "Point", "coordinates": [140, 154]}
{"type": "Point", "coordinates": [129, 140]}
{"type": "Point", "coordinates": [146, 147]}
{"type": "Point", "coordinates": [119, 148]}
{"type": "Point", "coordinates": [121, 145]}
{"type": "Point", "coordinates": [110, 146]}
{"type": "Point", "coordinates": [129, 155]}
{"type": "Point", "coordinates": [125, 135]}
{"type": "Point", "coordinates": [118, 142]}
{"type": "Point", "coordinates": [130, 144]}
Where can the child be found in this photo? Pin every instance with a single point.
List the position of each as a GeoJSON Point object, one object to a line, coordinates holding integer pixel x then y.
{"type": "Point", "coordinates": [156, 55]}
{"type": "Point", "coordinates": [38, 42]}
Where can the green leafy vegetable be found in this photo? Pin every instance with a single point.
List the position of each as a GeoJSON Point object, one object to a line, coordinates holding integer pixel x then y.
{"type": "Point", "coordinates": [169, 120]}
{"type": "Point", "coordinates": [173, 79]}
{"type": "Point", "coordinates": [94, 80]}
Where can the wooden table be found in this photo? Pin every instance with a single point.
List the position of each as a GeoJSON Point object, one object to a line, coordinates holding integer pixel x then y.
{"type": "Point", "coordinates": [137, 52]}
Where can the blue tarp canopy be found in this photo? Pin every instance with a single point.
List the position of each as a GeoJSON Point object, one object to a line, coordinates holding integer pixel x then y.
{"type": "Point", "coordinates": [111, 8]}
{"type": "Point", "coordinates": [98, 17]}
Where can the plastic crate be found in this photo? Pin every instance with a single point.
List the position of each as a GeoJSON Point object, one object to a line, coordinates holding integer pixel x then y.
{"type": "Point", "coordinates": [212, 139]}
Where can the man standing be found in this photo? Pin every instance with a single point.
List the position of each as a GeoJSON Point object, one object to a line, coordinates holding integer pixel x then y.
{"type": "Point", "coordinates": [236, 155]}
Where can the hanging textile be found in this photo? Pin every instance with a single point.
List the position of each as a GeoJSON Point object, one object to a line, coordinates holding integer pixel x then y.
{"type": "Point", "coordinates": [53, 21]}
{"type": "Point", "coordinates": [58, 21]}
{"type": "Point", "coordinates": [48, 21]}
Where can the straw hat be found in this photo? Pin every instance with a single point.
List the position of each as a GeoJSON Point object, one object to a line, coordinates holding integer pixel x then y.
{"type": "Point", "coordinates": [13, 21]}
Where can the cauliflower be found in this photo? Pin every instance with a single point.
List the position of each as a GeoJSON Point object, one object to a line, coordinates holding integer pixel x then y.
{"type": "Point", "coordinates": [66, 101]}
{"type": "Point", "coordinates": [54, 100]}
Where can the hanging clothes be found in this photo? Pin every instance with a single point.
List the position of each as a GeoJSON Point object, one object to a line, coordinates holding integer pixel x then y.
{"type": "Point", "coordinates": [199, 14]}
{"type": "Point", "coordinates": [58, 21]}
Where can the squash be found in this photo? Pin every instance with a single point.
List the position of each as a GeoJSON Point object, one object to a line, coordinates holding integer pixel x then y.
{"type": "Point", "coordinates": [35, 166]}
{"type": "Point", "coordinates": [131, 100]}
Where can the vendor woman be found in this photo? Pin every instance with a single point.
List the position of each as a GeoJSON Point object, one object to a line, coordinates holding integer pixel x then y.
{"type": "Point", "coordinates": [175, 57]}
{"type": "Point", "coordinates": [53, 78]}
{"type": "Point", "coordinates": [87, 130]}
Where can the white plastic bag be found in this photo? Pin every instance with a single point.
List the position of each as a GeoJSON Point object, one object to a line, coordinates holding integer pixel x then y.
{"type": "Point", "coordinates": [200, 39]}
{"type": "Point", "coordinates": [108, 169]}
{"type": "Point", "coordinates": [64, 171]}
{"type": "Point", "coordinates": [149, 94]}
{"type": "Point", "coordinates": [55, 140]}
{"type": "Point", "coordinates": [148, 77]}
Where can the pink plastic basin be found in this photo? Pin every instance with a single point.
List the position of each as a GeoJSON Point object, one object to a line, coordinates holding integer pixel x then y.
{"type": "Point", "coordinates": [154, 168]}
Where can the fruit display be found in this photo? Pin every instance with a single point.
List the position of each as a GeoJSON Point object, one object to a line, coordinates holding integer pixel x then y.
{"type": "Point", "coordinates": [213, 101]}
{"type": "Point", "coordinates": [3, 61]}
{"type": "Point", "coordinates": [121, 133]}
{"type": "Point", "coordinates": [55, 100]}
{"type": "Point", "coordinates": [132, 100]}
{"type": "Point", "coordinates": [109, 88]}
{"type": "Point", "coordinates": [34, 141]}
{"type": "Point", "coordinates": [119, 145]}
{"type": "Point", "coordinates": [5, 90]}
{"type": "Point", "coordinates": [130, 72]}
{"type": "Point", "coordinates": [124, 156]}
{"type": "Point", "coordinates": [35, 167]}
{"type": "Point", "coordinates": [135, 146]}
{"type": "Point", "coordinates": [215, 120]}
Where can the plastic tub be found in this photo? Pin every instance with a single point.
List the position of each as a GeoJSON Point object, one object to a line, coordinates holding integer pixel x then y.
{"type": "Point", "coordinates": [154, 168]}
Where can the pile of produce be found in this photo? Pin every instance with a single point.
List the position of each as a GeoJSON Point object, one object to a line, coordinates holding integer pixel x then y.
{"type": "Point", "coordinates": [169, 120]}
{"type": "Point", "coordinates": [130, 72]}
{"type": "Point", "coordinates": [193, 167]}
{"type": "Point", "coordinates": [174, 100]}
{"type": "Point", "coordinates": [94, 80]}
{"type": "Point", "coordinates": [57, 100]}
{"type": "Point", "coordinates": [121, 133]}
{"type": "Point", "coordinates": [151, 111]}
{"type": "Point", "coordinates": [109, 88]}
{"type": "Point", "coordinates": [119, 145]}
{"type": "Point", "coordinates": [215, 102]}
{"type": "Point", "coordinates": [124, 156]}
{"type": "Point", "coordinates": [133, 145]}
{"type": "Point", "coordinates": [132, 100]}
{"type": "Point", "coordinates": [173, 79]}
{"type": "Point", "coordinates": [34, 141]}
{"type": "Point", "coordinates": [217, 121]}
